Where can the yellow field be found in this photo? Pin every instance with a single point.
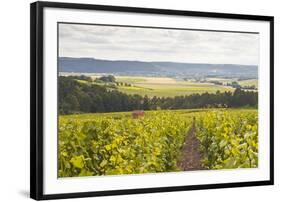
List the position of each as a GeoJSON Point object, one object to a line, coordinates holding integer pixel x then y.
{"type": "Point", "coordinates": [166, 87]}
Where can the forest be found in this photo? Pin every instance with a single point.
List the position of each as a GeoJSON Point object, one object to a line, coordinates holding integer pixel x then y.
{"type": "Point", "coordinates": [77, 97]}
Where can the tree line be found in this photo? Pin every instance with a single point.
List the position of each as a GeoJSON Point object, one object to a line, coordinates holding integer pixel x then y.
{"type": "Point", "coordinates": [77, 97]}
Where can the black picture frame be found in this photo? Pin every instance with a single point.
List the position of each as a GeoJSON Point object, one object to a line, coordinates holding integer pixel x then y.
{"type": "Point", "coordinates": [36, 98]}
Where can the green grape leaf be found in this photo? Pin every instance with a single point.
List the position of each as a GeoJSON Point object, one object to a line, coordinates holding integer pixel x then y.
{"type": "Point", "coordinates": [103, 163]}
{"type": "Point", "coordinates": [77, 161]}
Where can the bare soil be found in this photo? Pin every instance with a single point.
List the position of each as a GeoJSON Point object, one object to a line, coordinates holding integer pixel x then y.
{"type": "Point", "coordinates": [190, 155]}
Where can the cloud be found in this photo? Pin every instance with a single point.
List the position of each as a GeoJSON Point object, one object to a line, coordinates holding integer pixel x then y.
{"type": "Point", "coordinates": [147, 44]}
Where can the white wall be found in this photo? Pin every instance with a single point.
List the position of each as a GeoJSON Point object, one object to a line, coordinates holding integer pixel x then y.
{"type": "Point", "coordinates": [14, 101]}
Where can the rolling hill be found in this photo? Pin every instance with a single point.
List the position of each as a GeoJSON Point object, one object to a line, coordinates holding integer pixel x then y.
{"type": "Point", "coordinates": [141, 68]}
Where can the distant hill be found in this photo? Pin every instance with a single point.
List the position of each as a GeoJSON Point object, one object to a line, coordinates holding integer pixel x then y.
{"type": "Point", "coordinates": [141, 68]}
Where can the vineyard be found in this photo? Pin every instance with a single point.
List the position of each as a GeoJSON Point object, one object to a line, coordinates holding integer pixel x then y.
{"type": "Point", "coordinates": [116, 143]}
{"type": "Point", "coordinates": [228, 140]}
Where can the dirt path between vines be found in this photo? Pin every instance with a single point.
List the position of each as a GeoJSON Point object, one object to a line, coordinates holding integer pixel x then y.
{"type": "Point", "coordinates": [190, 155]}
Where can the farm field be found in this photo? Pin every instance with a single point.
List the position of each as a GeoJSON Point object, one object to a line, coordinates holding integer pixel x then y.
{"type": "Point", "coordinates": [115, 143]}
{"type": "Point", "coordinates": [250, 82]}
{"type": "Point", "coordinates": [170, 87]}
{"type": "Point", "coordinates": [242, 83]}
{"type": "Point", "coordinates": [165, 86]}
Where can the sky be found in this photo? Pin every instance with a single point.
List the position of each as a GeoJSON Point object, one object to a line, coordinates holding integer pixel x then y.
{"type": "Point", "coordinates": [146, 44]}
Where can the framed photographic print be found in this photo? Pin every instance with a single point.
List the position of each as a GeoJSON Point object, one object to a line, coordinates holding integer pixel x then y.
{"type": "Point", "coordinates": [131, 100]}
